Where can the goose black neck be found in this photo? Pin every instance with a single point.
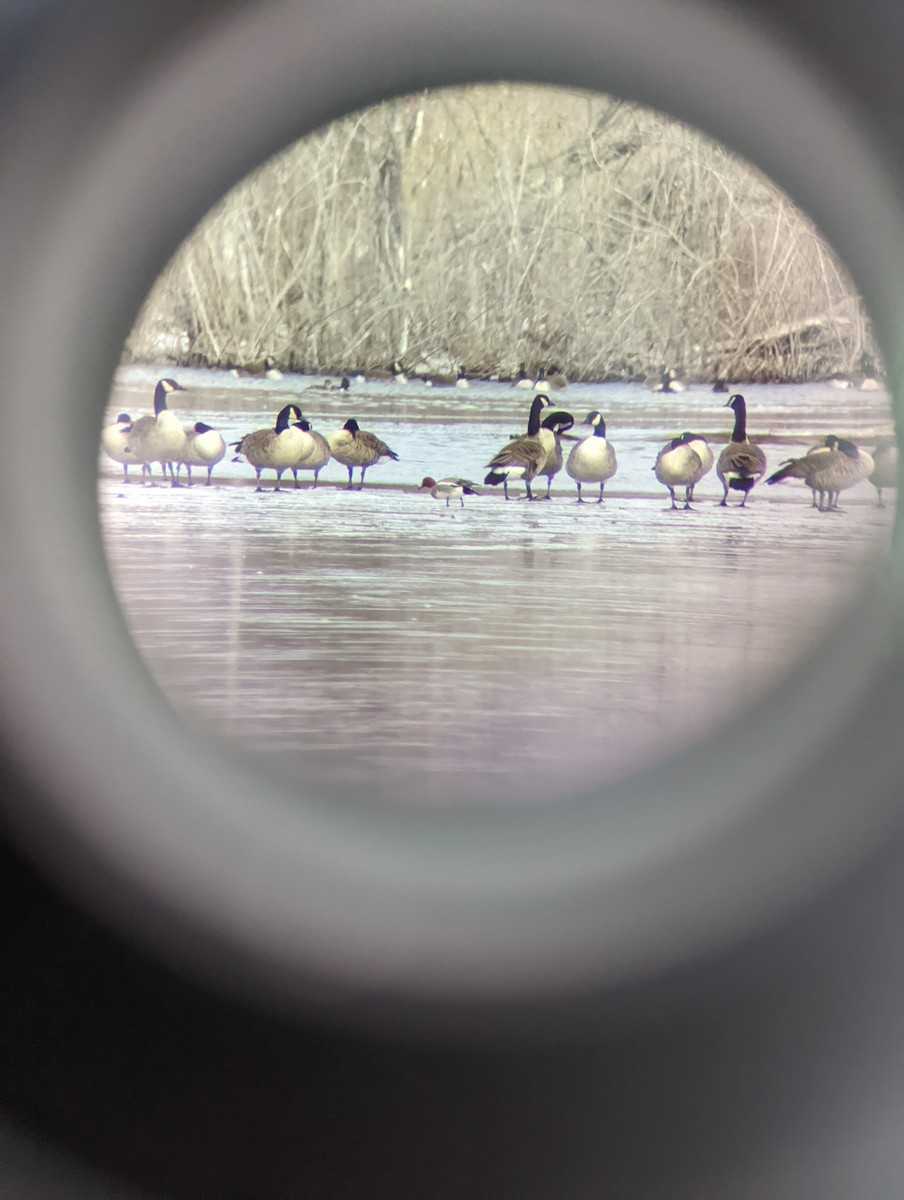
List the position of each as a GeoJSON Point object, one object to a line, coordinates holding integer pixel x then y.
{"type": "Point", "coordinates": [533, 422]}
{"type": "Point", "coordinates": [159, 399]}
{"type": "Point", "coordinates": [283, 416]}
{"type": "Point", "coordinates": [600, 430]}
{"type": "Point", "coordinates": [740, 420]}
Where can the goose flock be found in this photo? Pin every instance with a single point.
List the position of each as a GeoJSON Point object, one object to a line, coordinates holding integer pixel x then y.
{"type": "Point", "coordinates": [291, 444]}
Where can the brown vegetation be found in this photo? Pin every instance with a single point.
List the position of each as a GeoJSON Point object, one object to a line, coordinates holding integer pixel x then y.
{"type": "Point", "coordinates": [494, 225]}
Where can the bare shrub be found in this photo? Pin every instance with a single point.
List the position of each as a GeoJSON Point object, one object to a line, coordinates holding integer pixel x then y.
{"type": "Point", "coordinates": [494, 225]}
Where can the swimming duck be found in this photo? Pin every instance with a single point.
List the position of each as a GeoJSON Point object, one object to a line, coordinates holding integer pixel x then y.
{"type": "Point", "coordinates": [523, 457]}
{"type": "Point", "coordinates": [679, 465]}
{"type": "Point", "coordinates": [159, 438]}
{"type": "Point", "coordinates": [840, 380]}
{"type": "Point", "coordinates": [328, 386]}
{"type": "Point", "coordinates": [391, 374]}
{"type": "Point", "coordinates": [318, 455]}
{"type": "Point", "coordinates": [114, 441]}
{"type": "Point", "coordinates": [356, 447]}
{"type": "Point", "coordinates": [740, 464]}
{"type": "Point", "coordinates": [885, 468]}
{"type": "Point", "coordinates": [440, 380]}
{"type": "Point", "coordinates": [592, 460]}
{"type": "Point", "coordinates": [277, 449]}
{"type": "Point", "coordinates": [558, 423]}
{"type": "Point", "coordinates": [204, 447]}
{"type": "Point", "coordinates": [445, 489]}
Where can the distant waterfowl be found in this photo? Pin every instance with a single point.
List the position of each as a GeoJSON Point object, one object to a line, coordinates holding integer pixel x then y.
{"type": "Point", "coordinates": [840, 380]}
{"type": "Point", "coordinates": [592, 460]}
{"type": "Point", "coordinates": [317, 457]}
{"type": "Point", "coordinates": [159, 438]}
{"type": "Point", "coordinates": [719, 382]}
{"type": "Point", "coordinates": [885, 467]}
{"type": "Point", "coordinates": [702, 448]}
{"type": "Point", "coordinates": [558, 423]}
{"type": "Point", "coordinates": [740, 464]}
{"type": "Point", "coordinates": [114, 441]}
{"type": "Point", "coordinates": [868, 381]}
{"type": "Point", "coordinates": [392, 373]}
{"type": "Point", "coordinates": [828, 470]}
{"type": "Point", "coordinates": [667, 381]}
{"type": "Point", "coordinates": [277, 449]}
{"type": "Point", "coordinates": [441, 380]}
{"type": "Point", "coordinates": [445, 489]}
{"type": "Point", "coordinates": [556, 380]}
{"type": "Point", "coordinates": [272, 371]}
{"type": "Point", "coordinates": [522, 379]}
{"type": "Point", "coordinates": [679, 465]}
{"type": "Point", "coordinates": [327, 385]}
{"type": "Point", "coordinates": [523, 457]}
{"type": "Point", "coordinates": [355, 447]}
{"type": "Point", "coordinates": [204, 447]}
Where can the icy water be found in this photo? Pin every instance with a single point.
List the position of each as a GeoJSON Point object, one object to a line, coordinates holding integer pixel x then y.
{"type": "Point", "coordinates": [496, 653]}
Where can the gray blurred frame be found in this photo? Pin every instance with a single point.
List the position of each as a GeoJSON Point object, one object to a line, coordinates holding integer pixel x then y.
{"type": "Point", "coordinates": [421, 919]}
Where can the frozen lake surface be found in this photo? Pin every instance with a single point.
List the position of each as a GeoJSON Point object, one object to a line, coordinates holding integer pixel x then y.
{"type": "Point", "coordinates": [495, 653]}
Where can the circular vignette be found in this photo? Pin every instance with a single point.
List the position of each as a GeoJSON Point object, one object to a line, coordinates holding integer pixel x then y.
{"type": "Point", "coordinates": [181, 838]}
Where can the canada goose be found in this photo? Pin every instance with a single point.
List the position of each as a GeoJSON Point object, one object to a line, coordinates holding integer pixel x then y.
{"type": "Point", "coordinates": [272, 371]}
{"type": "Point", "coordinates": [701, 447]}
{"type": "Point", "coordinates": [558, 423]}
{"type": "Point", "coordinates": [159, 438]}
{"type": "Point", "coordinates": [869, 381]}
{"type": "Point", "coordinates": [114, 441]}
{"type": "Point", "coordinates": [668, 382]}
{"type": "Point", "coordinates": [885, 467]}
{"type": "Point", "coordinates": [805, 467]}
{"type": "Point", "coordinates": [740, 464]}
{"type": "Point", "coordinates": [828, 470]}
{"type": "Point", "coordinates": [592, 460]}
{"type": "Point", "coordinates": [679, 465]}
{"type": "Point", "coordinates": [276, 449]}
{"type": "Point", "coordinates": [719, 383]}
{"type": "Point", "coordinates": [204, 447]}
{"type": "Point", "coordinates": [522, 379]}
{"type": "Point", "coordinates": [445, 489]}
{"type": "Point", "coordinates": [316, 457]}
{"type": "Point", "coordinates": [858, 465]}
{"type": "Point", "coordinates": [556, 380]}
{"type": "Point", "coordinates": [355, 447]}
{"type": "Point", "coordinates": [523, 457]}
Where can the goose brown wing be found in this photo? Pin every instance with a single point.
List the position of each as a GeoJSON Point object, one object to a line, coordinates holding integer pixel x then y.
{"type": "Point", "coordinates": [373, 443]}
{"type": "Point", "coordinates": [520, 452]}
{"type": "Point", "coordinates": [748, 461]}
